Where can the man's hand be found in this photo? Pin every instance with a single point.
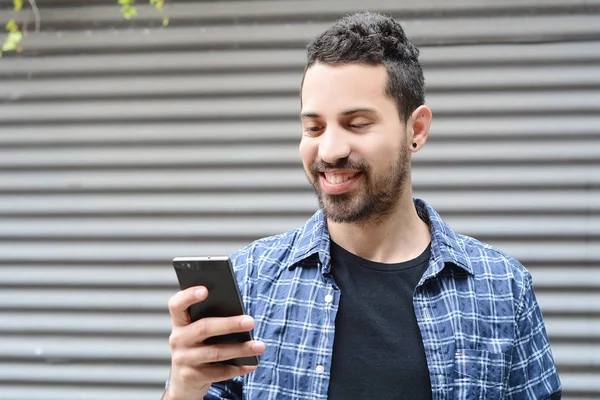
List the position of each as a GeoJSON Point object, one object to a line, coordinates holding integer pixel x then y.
{"type": "Point", "coordinates": [191, 371]}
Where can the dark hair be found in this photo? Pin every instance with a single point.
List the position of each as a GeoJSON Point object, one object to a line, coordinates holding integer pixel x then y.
{"type": "Point", "coordinates": [375, 39]}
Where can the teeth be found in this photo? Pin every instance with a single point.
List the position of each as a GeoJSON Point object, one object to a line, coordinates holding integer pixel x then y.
{"type": "Point", "coordinates": [336, 179]}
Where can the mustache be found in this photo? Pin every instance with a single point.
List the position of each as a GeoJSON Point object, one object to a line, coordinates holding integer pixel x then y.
{"type": "Point", "coordinates": [342, 163]}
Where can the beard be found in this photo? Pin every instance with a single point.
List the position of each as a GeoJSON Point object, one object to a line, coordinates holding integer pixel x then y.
{"type": "Point", "coordinates": [373, 201]}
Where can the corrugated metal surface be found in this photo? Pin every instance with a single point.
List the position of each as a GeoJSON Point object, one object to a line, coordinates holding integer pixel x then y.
{"type": "Point", "coordinates": [123, 146]}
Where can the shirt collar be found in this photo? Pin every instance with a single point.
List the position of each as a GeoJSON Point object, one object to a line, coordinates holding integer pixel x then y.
{"type": "Point", "coordinates": [311, 247]}
{"type": "Point", "coordinates": [312, 244]}
{"type": "Point", "coordinates": [446, 245]}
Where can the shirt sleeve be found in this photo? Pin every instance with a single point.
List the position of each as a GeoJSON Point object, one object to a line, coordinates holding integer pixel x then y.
{"type": "Point", "coordinates": [227, 390]}
{"type": "Point", "coordinates": [533, 373]}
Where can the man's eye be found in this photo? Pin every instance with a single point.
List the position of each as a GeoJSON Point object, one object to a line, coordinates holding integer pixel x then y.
{"type": "Point", "coordinates": [359, 126]}
{"type": "Point", "coordinates": [313, 129]}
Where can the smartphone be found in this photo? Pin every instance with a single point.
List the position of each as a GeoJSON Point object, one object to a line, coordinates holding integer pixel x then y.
{"type": "Point", "coordinates": [224, 300]}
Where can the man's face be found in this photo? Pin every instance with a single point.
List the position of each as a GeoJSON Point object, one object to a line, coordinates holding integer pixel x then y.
{"type": "Point", "coordinates": [353, 146]}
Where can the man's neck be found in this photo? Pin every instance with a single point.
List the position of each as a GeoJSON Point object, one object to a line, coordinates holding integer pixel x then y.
{"type": "Point", "coordinates": [400, 236]}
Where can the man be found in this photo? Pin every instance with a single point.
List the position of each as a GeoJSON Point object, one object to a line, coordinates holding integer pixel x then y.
{"type": "Point", "coordinates": [375, 297]}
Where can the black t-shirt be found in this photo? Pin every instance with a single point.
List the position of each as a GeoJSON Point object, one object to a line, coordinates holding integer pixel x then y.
{"type": "Point", "coordinates": [378, 350]}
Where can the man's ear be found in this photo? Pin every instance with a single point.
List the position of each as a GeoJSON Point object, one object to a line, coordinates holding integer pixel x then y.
{"type": "Point", "coordinates": [418, 128]}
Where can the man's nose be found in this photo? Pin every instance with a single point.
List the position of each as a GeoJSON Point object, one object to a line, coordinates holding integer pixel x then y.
{"type": "Point", "coordinates": [333, 146]}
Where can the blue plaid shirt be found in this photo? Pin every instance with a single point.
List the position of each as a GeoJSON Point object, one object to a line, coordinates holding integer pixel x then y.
{"type": "Point", "coordinates": [482, 328]}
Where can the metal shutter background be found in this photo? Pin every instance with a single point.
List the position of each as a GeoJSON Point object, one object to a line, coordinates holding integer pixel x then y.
{"type": "Point", "coordinates": [122, 146]}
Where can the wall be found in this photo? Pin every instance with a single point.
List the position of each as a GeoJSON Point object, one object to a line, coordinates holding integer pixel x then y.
{"type": "Point", "coordinates": [123, 145]}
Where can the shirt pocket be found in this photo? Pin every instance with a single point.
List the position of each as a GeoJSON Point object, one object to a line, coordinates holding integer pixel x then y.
{"type": "Point", "coordinates": [480, 374]}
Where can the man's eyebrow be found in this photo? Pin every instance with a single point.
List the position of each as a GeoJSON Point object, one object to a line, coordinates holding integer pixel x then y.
{"type": "Point", "coordinates": [347, 112]}
{"type": "Point", "coordinates": [360, 110]}
{"type": "Point", "coordinates": [310, 115]}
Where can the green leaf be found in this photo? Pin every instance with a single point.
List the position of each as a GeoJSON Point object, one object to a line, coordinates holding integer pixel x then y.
{"type": "Point", "coordinates": [12, 26]}
{"type": "Point", "coordinates": [17, 5]}
{"type": "Point", "coordinates": [165, 21]}
{"type": "Point", "coordinates": [8, 46]}
{"type": "Point", "coordinates": [128, 11]}
{"type": "Point", "coordinates": [15, 37]}
{"type": "Point", "coordinates": [159, 4]}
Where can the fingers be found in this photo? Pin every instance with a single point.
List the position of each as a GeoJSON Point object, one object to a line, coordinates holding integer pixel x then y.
{"type": "Point", "coordinates": [179, 303]}
{"type": "Point", "coordinates": [199, 356]}
{"type": "Point", "coordinates": [220, 373]}
{"type": "Point", "coordinates": [192, 369]}
{"type": "Point", "coordinates": [202, 377]}
{"type": "Point", "coordinates": [197, 332]}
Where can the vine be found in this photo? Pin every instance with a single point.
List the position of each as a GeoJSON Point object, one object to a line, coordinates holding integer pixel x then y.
{"type": "Point", "coordinates": [14, 36]}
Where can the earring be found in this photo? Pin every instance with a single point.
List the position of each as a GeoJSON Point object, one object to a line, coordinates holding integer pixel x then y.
{"type": "Point", "coordinates": [414, 145]}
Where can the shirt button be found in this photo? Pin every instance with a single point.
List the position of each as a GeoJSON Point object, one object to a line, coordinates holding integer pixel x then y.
{"type": "Point", "coordinates": [328, 299]}
{"type": "Point", "coordinates": [320, 369]}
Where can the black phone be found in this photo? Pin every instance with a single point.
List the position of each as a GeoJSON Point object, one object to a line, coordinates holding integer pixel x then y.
{"type": "Point", "coordinates": [224, 300]}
